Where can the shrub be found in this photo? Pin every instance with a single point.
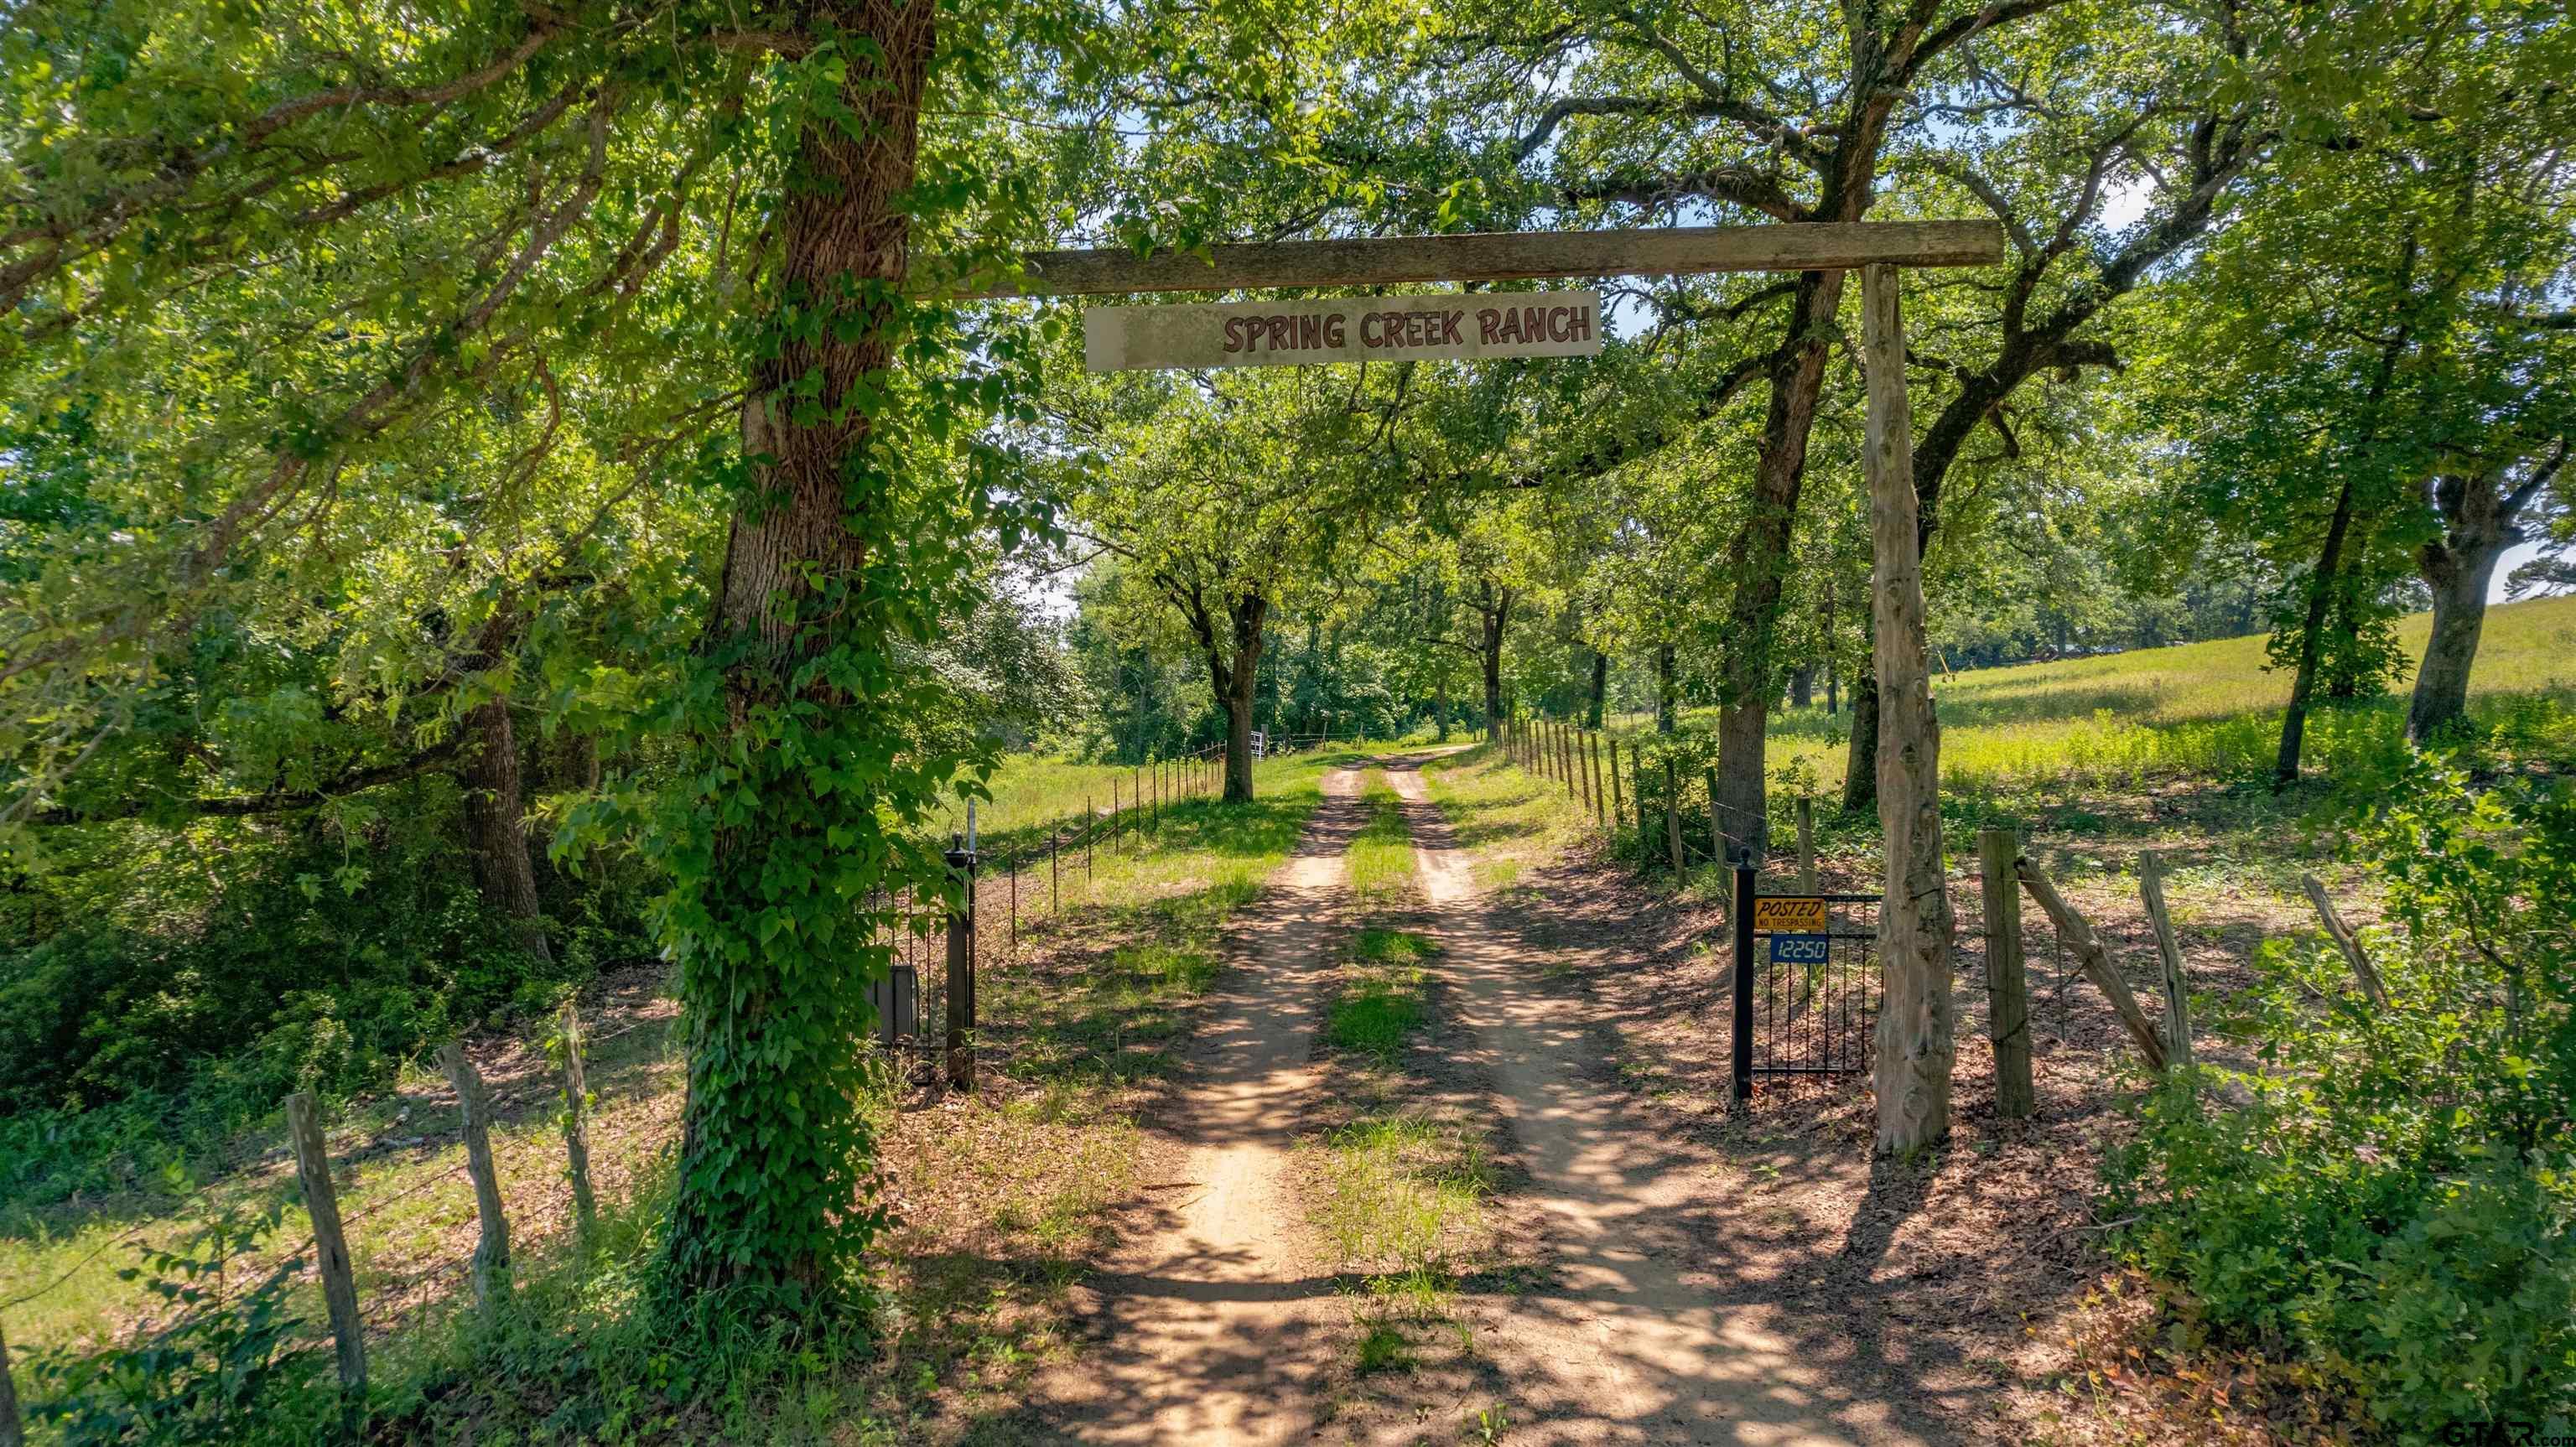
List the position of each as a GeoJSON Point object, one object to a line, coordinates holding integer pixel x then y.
{"type": "Point", "coordinates": [2393, 1199]}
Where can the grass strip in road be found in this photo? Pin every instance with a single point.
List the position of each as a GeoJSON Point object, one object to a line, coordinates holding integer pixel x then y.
{"type": "Point", "coordinates": [1401, 1174]}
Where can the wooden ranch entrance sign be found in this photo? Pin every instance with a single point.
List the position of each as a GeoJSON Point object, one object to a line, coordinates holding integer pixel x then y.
{"type": "Point", "coordinates": [1350, 329]}
{"type": "Point", "coordinates": [1914, 1023]}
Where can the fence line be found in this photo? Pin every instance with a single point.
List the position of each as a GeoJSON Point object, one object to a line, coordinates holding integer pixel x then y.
{"type": "Point", "coordinates": [327, 1244]}
{"type": "Point", "coordinates": [1624, 798]}
{"type": "Point", "coordinates": [1133, 816]}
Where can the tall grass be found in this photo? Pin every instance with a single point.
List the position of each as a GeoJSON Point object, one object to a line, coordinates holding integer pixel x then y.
{"type": "Point", "coordinates": [2208, 710]}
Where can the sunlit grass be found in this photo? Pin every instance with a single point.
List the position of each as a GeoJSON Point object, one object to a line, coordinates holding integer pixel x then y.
{"type": "Point", "coordinates": [1381, 854]}
{"type": "Point", "coordinates": [1506, 817]}
{"type": "Point", "coordinates": [2207, 710]}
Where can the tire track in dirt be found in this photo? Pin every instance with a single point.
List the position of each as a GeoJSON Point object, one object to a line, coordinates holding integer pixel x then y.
{"type": "Point", "coordinates": [1626, 1341]}
{"type": "Point", "coordinates": [1209, 1323]}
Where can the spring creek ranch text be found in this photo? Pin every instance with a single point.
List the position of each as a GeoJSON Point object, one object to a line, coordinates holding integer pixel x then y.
{"type": "Point", "coordinates": [1343, 329]}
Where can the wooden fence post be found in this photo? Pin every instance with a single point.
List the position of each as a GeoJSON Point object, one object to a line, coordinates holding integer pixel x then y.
{"type": "Point", "coordinates": [330, 1258]}
{"type": "Point", "coordinates": [2095, 960]}
{"type": "Point", "coordinates": [2151, 892]}
{"type": "Point", "coordinates": [1593, 775]}
{"type": "Point", "coordinates": [1055, 876]}
{"type": "Point", "coordinates": [1565, 758]}
{"type": "Point", "coordinates": [492, 1251]}
{"type": "Point", "coordinates": [1673, 821]}
{"type": "Point", "coordinates": [2007, 983]}
{"type": "Point", "coordinates": [1645, 832]}
{"type": "Point", "coordinates": [585, 1206]}
{"type": "Point", "coordinates": [1806, 844]}
{"type": "Point", "coordinates": [1618, 805]}
{"type": "Point", "coordinates": [11, 1433]}
{"type": "Point", "coordinates": [1090, 828]}
{"type": "Point", "coordinates": [2363, 971]}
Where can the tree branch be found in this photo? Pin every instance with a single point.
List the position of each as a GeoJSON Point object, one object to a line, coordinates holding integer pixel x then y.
{"type": "Point", "coordinates": [276, 801]}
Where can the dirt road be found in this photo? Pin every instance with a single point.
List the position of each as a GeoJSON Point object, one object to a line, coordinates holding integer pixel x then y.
{"type": "Point", "coordinates": [1628, 1342]}
{"type": "Point", "coordinates": [1212, 1325]}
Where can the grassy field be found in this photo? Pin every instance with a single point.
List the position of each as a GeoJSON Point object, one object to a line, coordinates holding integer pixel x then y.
{"type": "Point", "coordinates": [2209, 710]}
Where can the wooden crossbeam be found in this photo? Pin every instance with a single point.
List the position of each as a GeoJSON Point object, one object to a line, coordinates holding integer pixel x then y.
{"type": "Point", "coordinates": [1514, 256]}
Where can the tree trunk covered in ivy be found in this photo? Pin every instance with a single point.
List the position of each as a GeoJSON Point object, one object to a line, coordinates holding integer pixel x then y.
{"type": "Point", "coordinates": [773, 1151]}
{"type": "Point", "coordinates": [1667, 691]}
{"type": "Point", "coordinates": [1600, 691]}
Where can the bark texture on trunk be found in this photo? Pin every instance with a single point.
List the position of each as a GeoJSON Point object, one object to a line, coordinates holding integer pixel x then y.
{"type": "Point", "coordinates": [2441, 698]}
{"type": "Point", "coordinates": [496, 830]}
{"type": "Point", "coordinates": [1248, 614]}
{"type": "Point", "coordinates": [840, 224]}
{"type": "Point", "coordinates": [1915, 1023]}
{"type": "Point", "coordinates": [1600, 690]}
{"type": "Point", "coordinates": [1757, 558]}
{"type": "Point", "coordinates": [1802, 686]}
{"type": "Point", "coordinates": [1667, 691]}
{"type": "Point", "coordinates": [2479, 514]}
{"type": "Point", "coordinates": [1230, 636]}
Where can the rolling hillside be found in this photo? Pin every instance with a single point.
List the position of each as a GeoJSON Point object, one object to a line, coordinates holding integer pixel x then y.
{"type": "Point", "coordinates": [2206, 708]}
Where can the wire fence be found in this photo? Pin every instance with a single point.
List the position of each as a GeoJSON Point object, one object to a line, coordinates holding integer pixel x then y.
{"type": "Point", "coordinates": [1663, 811]}
{"type": "Point", "coordinates": [234, 1253]}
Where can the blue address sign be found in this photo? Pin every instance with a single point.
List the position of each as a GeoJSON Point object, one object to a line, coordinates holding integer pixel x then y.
{"type": "Point", "coordinates": [1801, 949]}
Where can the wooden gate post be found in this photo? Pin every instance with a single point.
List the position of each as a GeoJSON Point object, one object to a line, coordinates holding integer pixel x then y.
{"type": "Point", "coordinates": [330, 1258]}
{"type": "Point", "coordinates": [1618, 805]}
{"type": "Point", "coordinates": [1915, 1045]}
{"type": "Point", "coordinates": [1593, 773]}
{"type": "Point", "coordinates": [585, 1206]}
{"type": "Point", "coordinates": [2007, 985]}
{"type": "Point", "coordinates": [1645, 833]}
{"type": "Point", "coordinates": [2373, 988]}
{"type": "Point", "coordinates": [1806, 844]}
{"type": "Point", "coordinates": [1673, 822]}
{"type": "Point", "coordinates": [2095, 961]}
{"type": "Point", "coordinates": [491, 1267]}
{"type": "Point", "coordinates": [2151, 891]}
{"type": "Point", "coordinates": [1716, 825]}
{"type": "Point", "coordinates": [961, 973]}
{"type": "Point", "coordinates": [1747, 884]}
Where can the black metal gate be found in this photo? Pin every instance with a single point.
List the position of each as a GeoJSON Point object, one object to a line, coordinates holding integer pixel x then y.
{"type": "Point", "coordinates": [1807, 983]}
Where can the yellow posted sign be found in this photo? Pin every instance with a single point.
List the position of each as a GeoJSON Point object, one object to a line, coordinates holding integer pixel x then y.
{"type": "Point", "coordinates": [1789, 913]}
